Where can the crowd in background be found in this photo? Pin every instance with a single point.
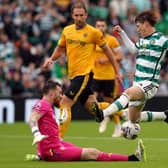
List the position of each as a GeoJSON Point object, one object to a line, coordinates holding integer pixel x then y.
{"type": "Point", "coordinates": [30, 29]}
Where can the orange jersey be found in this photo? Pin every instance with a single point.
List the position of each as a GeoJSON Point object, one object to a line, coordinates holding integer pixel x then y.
{"type": "Point", "coordinates": [80, 47]}
{"type": "Point", "coordinates": [105, 71]}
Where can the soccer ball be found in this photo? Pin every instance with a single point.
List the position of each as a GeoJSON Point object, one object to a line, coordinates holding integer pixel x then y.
{"type": "Point", "coordinates": [130, 130]}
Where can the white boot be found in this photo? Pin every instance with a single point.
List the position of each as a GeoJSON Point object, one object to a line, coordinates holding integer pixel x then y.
{"type": "Point", "coordinates": [117, 131]}
{"type": "Point", "coordinates": [103, 125]}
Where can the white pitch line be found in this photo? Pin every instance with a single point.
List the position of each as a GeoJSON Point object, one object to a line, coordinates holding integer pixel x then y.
{"type": "Point", "coordinates": [83, 138]}
{"type": "Point", "coordinates": [115, 139]}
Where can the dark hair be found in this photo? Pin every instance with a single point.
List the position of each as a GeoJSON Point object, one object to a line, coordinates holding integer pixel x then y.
{"type": "Point", "coordinates": [78, 4]}
{"type": "Point", "coordinates": [148, 16]}
{"type": "Point", "coordinates": [100, 20]}
{"type": "Point", "coordinates": [50, 85]}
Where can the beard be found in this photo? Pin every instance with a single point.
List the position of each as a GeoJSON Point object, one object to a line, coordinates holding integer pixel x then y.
{"type": "Point", "coordinates": [56, 103]}
{"type": "Point", "coordinates": [80, 25]}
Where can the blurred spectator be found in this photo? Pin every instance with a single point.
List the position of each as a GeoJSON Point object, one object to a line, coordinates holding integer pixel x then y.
{"type": "Point", "coordinates": [7, 48]}
{"type": "Point", "coordinates": [64, 7]}
{"type": "Point", "coordinates": [120, 7]}
{"type": "Point", "coordinates": [60, 69]}
{"type": "Point", "coordinates": [128, 68]}
{"type": "Point", "coordinates": [28, 52]}
{"type": "Point", "coordinates": [164, 69]}
{"type": "Point", "coordinates": [101, 10]}
{"type": "Point", "coordinates": [2, 77]}
{"type": "Point", "coordinates": [46, 18]}
{"type": "Point", "coordinates": [24, 47]}
{"type": "Point", "coordinates": [163, 89]}
{"type": "Point", "coordinates": [163, 5]}
{"type": "Point", "coordinates": [30, 27]}
{"type": "Point", "coordinates": [129, 24]}
{"type": "Point", "coordinates": [162, 25]}
{"type": "Point", "coordinates": [9, 28]}
{"type": "Point", "coordinates": [53, 39]}
{"type": "Point", "coordinates": [140, 5]}
{"type": "Point", "coordinates": [113, 18]}
{"type": "Point", "coordinates": [96, 10]}
{"type": "Point", "coordinates": [15, 83]}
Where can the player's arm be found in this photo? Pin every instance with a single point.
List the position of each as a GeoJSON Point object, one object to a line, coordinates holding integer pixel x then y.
{"type": "Point", "coordinates": [110, 54]}
{"type": "Point", "coordinates": [128, 43]}
{"type": "Point", "coordinates": [119, 53]}
{"type": "Point", "coordinates": [118, 56]}
{"type": "Point", "coordinates": [58, 51]}
{"type": "Point", "coordinates": [33, 123]}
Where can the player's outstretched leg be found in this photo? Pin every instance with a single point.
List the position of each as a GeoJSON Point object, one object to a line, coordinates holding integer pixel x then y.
{"type": "Point", "coordinates": [166, 113]}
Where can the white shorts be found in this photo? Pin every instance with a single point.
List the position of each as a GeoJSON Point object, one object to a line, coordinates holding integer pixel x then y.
{"type": "Point", "coordinates": [149, 90]}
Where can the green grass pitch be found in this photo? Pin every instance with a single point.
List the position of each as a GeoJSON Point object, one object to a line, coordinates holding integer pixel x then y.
{"type": "Point", "coordinates": [16, 139]}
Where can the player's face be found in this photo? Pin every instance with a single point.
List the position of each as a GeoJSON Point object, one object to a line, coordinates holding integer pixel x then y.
{"type": "Point", "coordinates": [58, 96]}
{"type": "Point", "coordinates": [79, 16]}
{"type": "Point", "coordinates": [141, 28]}
{"type": "Point", "coordinates": [101, 25]}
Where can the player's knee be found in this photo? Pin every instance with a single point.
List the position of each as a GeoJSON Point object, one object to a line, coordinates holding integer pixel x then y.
{"type": "Point", "coordinates": [90, 153]}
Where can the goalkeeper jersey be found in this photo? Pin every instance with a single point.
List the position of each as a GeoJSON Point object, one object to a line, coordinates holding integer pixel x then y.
{"type": "Point", "coordinates": [47, 126]}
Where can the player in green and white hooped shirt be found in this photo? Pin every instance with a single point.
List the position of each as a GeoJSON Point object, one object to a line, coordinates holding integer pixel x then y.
{"type": "Point", "coordinates": [151, 49]}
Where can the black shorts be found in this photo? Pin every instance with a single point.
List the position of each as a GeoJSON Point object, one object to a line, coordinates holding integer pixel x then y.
{"type": "Point", "coordinates": [80, 88]}
{"type": "Point", "coordinates": [106, 87]}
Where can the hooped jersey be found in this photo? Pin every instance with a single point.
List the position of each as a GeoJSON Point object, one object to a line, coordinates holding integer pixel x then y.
{"type": "Point", "coordinates": [151, 52]}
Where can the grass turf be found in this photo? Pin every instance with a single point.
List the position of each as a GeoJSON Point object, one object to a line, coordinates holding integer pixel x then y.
{"type": "Point", "coordinates": [16, 139]}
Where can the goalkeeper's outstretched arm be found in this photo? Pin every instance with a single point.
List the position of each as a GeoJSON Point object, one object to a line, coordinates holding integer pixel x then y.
{"type": "Point", "coordinates": [33, 122]}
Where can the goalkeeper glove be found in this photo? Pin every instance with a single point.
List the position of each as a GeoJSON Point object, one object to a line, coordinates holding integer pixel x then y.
{"type": "Point", "coordinates": [37, 135]}
{"type": "Point", "coordinates": [39, 138]}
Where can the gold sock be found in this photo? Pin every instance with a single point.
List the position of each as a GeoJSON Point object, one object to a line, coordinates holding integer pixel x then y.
{"type": "Point", "coordinates": [103, 105]}
{"type": "Point", "coordinates": [64, 126]}
{"type": "Point", "coordinates": [116, 117]}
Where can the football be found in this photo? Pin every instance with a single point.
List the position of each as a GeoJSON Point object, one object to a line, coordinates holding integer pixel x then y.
{"type": "Point", "coordinates": [130, 130]}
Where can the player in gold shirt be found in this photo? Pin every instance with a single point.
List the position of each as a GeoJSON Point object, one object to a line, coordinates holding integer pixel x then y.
{"type": "Point", "coordinates": [104, 83]}
{"type": "Point", "coordinates": [78, 41]}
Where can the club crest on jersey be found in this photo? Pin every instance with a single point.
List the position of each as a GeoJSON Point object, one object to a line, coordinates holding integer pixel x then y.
{"type": "Point", "coordinates": [71, 93]}
{"type": "Point", "coordinates": [144, 46]}
{"type": "Point", "coordinates": [38, 106]}
{"type": "Point", "coordinates": [152, 41]}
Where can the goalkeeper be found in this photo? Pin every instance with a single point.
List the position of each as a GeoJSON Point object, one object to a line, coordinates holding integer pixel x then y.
{"type": "Point", "coordinates": [49, 146]}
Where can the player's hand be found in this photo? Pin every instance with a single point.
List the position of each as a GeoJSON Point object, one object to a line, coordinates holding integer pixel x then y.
{"type": "Point", "coordinates": [117, 29]}
{"type": "Point", "coordinates": [39, 138]}
{"type": "Point", "coordinates": [47, 63]}
{"type": "Point", "coordinates": [63, 116]}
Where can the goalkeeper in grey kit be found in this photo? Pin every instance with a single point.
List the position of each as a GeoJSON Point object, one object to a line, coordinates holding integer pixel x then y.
{"type": "Point", "coordinates": [151, 49]}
